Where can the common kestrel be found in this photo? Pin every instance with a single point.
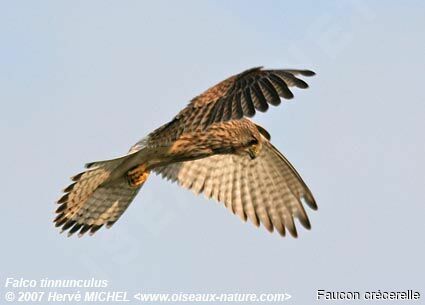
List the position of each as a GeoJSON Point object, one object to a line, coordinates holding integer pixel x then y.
{"type": "Point", "coordinates": [210, 147]}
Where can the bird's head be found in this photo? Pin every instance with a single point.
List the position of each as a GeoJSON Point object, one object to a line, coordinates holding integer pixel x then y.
{"type": "Point", "coordinates": [254, 147]}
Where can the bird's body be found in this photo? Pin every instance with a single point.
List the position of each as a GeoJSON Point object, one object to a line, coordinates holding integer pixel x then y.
{"type": "Point", "coordinates": [235, 137]}
{"type": "Point", "coordinates": [209, 147]}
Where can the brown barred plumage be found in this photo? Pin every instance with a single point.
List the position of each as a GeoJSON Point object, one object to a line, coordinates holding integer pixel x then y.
{"type": "Point", "coordinates": [209, 147]}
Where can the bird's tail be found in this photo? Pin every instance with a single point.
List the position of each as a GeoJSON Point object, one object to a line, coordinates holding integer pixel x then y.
{"type": "Point", "coordinates": [99, 196]}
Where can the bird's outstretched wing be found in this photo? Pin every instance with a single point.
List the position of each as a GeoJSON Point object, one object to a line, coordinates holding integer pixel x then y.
{"type": "Point", "coordinates": [267, 189]}
{"type": "Point", "coordinates": [238, 96]}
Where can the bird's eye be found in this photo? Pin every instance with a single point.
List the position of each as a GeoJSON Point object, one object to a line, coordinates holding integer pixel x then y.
{"type": "Point", "coordinates": [254, 141]}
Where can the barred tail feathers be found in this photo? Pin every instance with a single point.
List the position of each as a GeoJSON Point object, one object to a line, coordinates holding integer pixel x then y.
{"type": "Point", "coordinates": [94, 199]}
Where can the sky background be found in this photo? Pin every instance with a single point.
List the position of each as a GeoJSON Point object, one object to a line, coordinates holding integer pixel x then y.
{"type": "Point", "coordinates": [84, 80]}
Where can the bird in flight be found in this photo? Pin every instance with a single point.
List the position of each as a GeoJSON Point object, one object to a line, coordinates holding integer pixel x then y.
{"type": "Point", "coordinates": [209, 147]}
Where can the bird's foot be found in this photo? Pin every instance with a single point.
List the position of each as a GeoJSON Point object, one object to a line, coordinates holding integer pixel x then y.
{"type": "Point", "coordinates": [137, 176]}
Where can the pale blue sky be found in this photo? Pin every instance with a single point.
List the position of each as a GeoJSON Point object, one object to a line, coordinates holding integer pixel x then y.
{"type": "Point", "coordinates": [84, 80]}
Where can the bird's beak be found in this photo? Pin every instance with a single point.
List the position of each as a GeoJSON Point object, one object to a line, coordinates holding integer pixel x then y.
{"type": "Point", "coordinates": [253, 151]}
{"type": "Point", "coordinates": [252, 154]}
